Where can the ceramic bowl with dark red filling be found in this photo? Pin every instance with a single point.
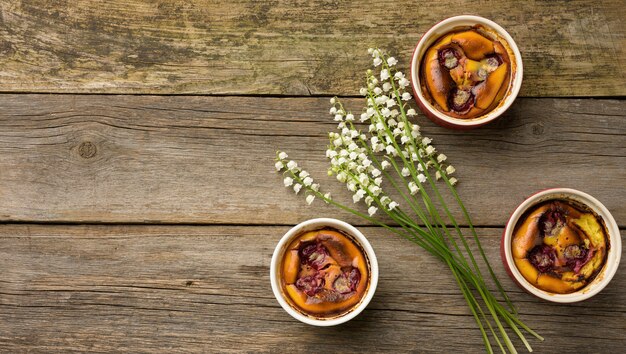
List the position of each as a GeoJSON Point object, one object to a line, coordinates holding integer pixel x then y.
{"type": "Point", "coordinates": [324, 272]}
{"type": "Point", "coordinates": [561, 245]}
{"type": "Point", "coordinates": [466, 71]}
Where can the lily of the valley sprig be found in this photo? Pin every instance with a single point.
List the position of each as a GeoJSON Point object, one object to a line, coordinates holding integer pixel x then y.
{"type": "Point", "coordinates": [386, 163]}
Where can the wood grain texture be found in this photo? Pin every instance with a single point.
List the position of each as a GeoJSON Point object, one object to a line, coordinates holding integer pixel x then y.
{"type": "Point", "coordinates": [569, 48]}
{"type": "Point", "coordinates": [206, 288]}
{"type": "Point", "coordinates": [210, 159]}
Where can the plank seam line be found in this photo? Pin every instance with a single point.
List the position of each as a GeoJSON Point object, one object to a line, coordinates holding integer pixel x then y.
{"type": "Point", "coordinates": [259, 95]}
{"type": "Point", "coordinates": [131, 223]}
{"type": "Point", "coordinates": [138, 223]}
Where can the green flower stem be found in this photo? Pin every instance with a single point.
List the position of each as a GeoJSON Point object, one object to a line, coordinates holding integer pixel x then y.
{"type": "Point", "coordinates": [424, 166]}
{"type": "Point", "coordinates": [427, 242]}
{"type": "Point", "coordinates": [453, 190]}
{"type": "Point", "coordinates": [484, 316]}
{"type": "Point", "coordinates": [475, 235]}
{"type": "Point", "coordinates": [428, 202]}
{"type": "Point", "coordinates": [486, 294]}
{"type": "Point", "coordinates": [471, 300]}
{"type": "Point", "coordinates": [350, 210]}
{"type": "Point", "coordinates": [425, 220]}
{"type": "Point", "coordinates": [414, 207]}
{"type": "Point", "coordinates": [378, 164]}
{"type": "Point", "coordinates": [319, 194]}
{"type": "Point", "coordinates": [473, 304]}
{"type": "Point", "coordinates": [401, 221]}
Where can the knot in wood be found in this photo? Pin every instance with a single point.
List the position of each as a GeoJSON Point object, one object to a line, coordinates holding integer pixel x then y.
{"type": "Point", "coordinates": [538, 129]}
{"type": "Point", "coordinates": [87, 149]}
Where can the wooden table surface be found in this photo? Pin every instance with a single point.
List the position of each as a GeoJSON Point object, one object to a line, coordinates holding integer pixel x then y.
{"type": "Point", "coordinates": [139, 206]}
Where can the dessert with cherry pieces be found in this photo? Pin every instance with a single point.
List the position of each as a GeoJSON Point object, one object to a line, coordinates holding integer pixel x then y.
{"type": "Point", "coordinates": [559, 246]}
{"type": "Point", "coordinates": [466, 73]}
{"type": "Point", "coordinates": [324, 273]}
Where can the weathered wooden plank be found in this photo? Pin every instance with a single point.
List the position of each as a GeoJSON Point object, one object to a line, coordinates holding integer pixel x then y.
{"type": "Point", "coordinates": [199, 288]}
{"type": "Point", "coordinates": [570, 48]}
{"type": "Point", "coordinates": [68, 158]}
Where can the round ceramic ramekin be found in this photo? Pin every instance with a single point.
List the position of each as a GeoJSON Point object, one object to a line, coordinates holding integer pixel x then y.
{"type": "Point", "coordinates": [316, 224]}
{"type": "Point", "coordinates": [613, 254]}
{"type": "Point", "coordinates": [433, 34]}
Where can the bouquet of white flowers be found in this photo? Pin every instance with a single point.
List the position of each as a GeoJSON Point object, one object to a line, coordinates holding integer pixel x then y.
{"type": "Point", "coordinates": [394, 151]}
